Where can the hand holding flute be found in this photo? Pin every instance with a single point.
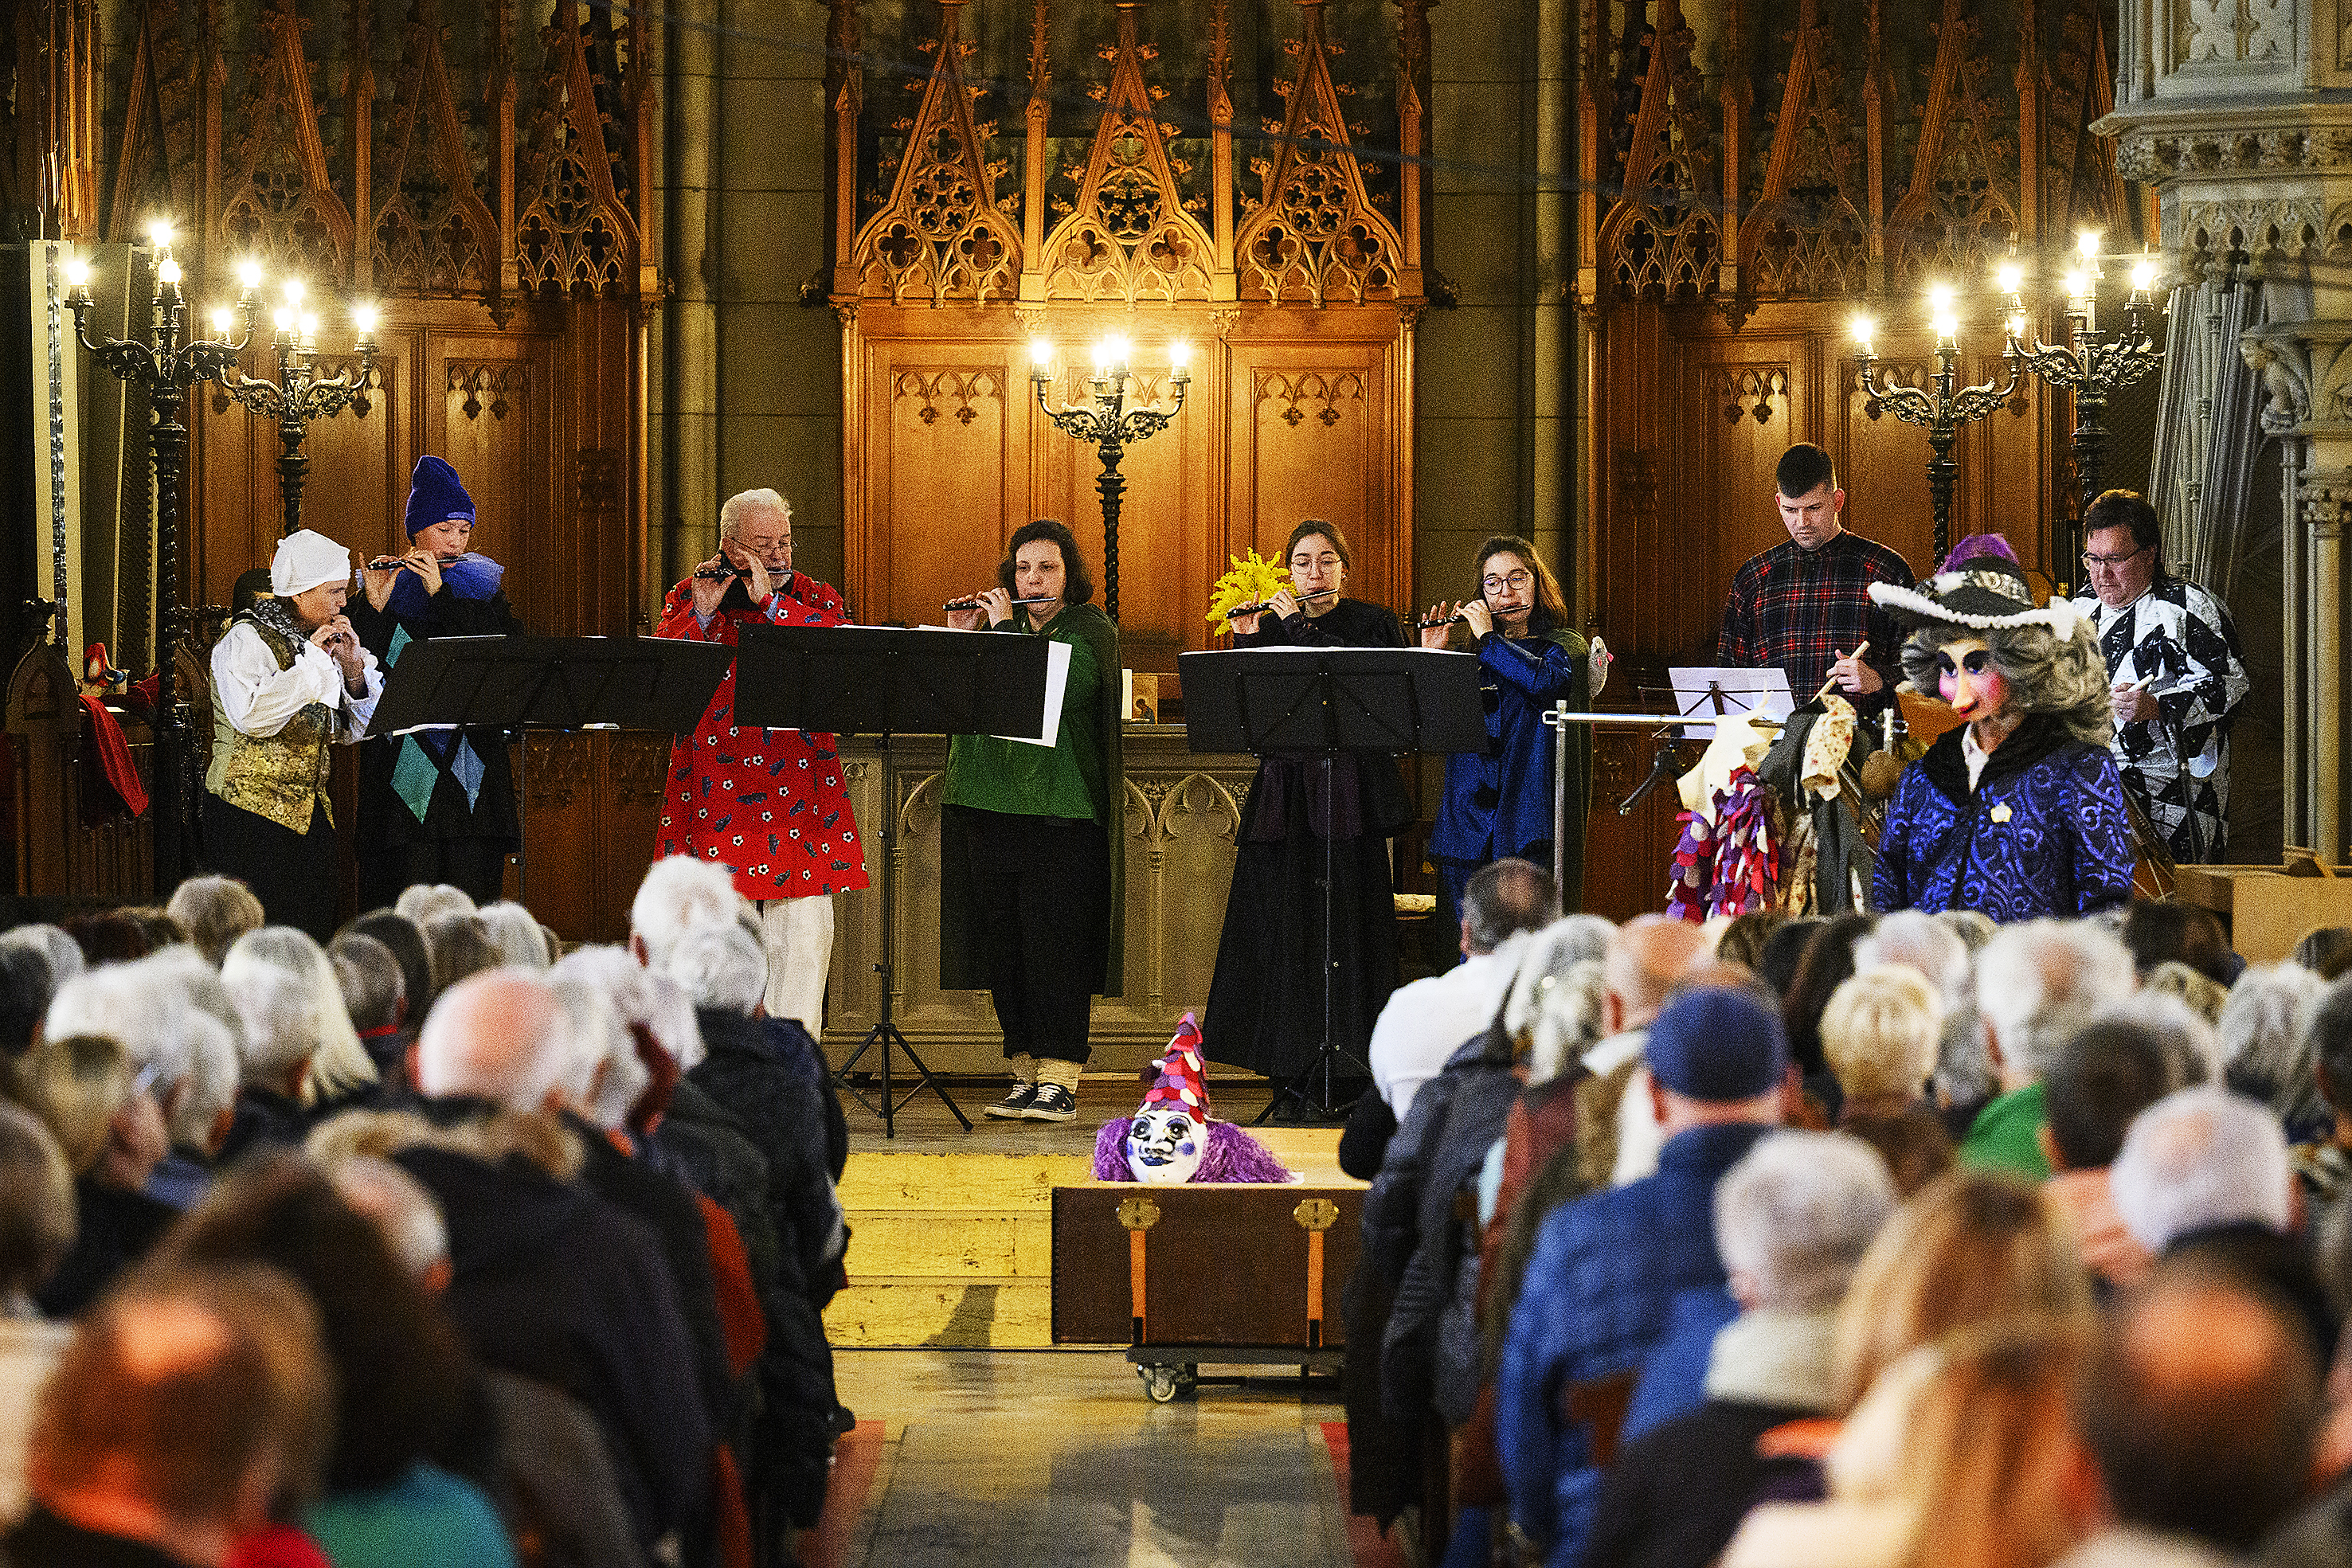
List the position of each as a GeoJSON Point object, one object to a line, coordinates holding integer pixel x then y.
{"type": "Point", "coordinates": [713, 578]}
{"type": "Point", "coordinates": [378, 575]}
{"type": "Point", "coordinates": [990, 607]}
{"type": "Point", "coordinates": [1437, 627]}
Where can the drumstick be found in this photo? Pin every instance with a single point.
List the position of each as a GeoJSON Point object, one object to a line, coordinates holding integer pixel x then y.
{"type": "Point", "coordinates": [1830, 685]}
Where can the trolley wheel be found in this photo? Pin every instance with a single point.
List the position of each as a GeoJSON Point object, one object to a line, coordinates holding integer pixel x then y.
{"type": "Point", "coordinates": [1159, 1382]}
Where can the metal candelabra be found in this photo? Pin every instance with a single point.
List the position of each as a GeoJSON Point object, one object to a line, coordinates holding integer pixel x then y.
{"type": "Point", "coordinates": [2092, 364]}
{"type": "Point", "coordinates": [1942, 406]}
{"type": "Point", "coordinates": [1111, 427]}
{"type": "Point", "coordinates": [166, 368]}
{"type": "Point", "coordinates": [298, 395]}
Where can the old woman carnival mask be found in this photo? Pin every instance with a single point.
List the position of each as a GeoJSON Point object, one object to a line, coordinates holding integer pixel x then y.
{"type": "Point", "coordinates": [1967, 677]}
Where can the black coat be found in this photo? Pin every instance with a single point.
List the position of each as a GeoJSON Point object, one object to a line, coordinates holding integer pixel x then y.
{"type": "Point", "coordinates": [117, 1230]}
{"type": "Point", "coordinates": [550, 1281]}
{"type": "Point", "coordinates": [768, 1075]}
{"type": "Point", "coordinates": [670, 1212]}
{"type": "Point", "coordinates": [1676, 1494]}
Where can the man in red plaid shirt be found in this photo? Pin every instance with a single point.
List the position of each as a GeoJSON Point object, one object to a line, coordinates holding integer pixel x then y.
{"type": "Point", "coordinates": [1805, 605]}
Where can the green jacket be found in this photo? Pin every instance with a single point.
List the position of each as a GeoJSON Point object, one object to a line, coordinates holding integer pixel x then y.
{"type": "Point", "coordinates": [962, 903]}
{"type": "Point", "coordinates": [2006, 1135]}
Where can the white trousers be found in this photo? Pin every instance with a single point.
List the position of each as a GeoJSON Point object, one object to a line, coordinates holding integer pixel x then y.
{"type": "Point", "coordinates": [798, 936]}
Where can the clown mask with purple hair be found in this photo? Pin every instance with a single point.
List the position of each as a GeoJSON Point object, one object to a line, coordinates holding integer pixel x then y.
{"type": "Point", "coordinates": [1173, 1140]}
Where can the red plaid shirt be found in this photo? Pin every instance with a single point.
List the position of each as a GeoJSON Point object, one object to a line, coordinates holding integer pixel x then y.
{"type": "Point", "coordinates": [1802, 608]}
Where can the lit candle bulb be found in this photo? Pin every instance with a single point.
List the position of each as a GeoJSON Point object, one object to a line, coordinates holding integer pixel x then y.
{"type": "Point", "coordinates": [2078, 286]}
{"type": "Point", "coordinates": [2086, 244]}
{"type": "Point", "coordinates": [167, 271]}
{"type": "Point", "coordinates": [2017, 326]}
{"type": "Point", "coordinates": [310, 328]}
{"type": "Point", "coordinates": [1180, 356]}
{"type": "Point", "coordinates": [159, 232]}
{"type": "Point", "coordinates": [363, 320]}
{"type": "Point", "coordinates": [1041, 359]}
{"type": "Point", "coordinates": [1864, 329]}
{"type": "Point", "coordinates": [2009, 276]}
{"type": "Point", "coordinates": [78, 272]}
{"type": "Point", "coordinates": [224, 321]}
{"type": "Point", "coordinates": [2143, 274]}
{"type": "Point", "coordinates": [293, 292]}
{"type": "Point", "coordinates": [283, 321]}
{"type": "Point", "coordinates": [248, 274]}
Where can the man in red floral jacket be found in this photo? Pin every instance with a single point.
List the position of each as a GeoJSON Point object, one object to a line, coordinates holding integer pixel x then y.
{"type": "Point", "coordinates": [767, 804]}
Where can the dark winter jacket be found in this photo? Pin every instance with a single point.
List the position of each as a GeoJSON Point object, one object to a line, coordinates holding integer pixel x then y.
{"type": "Point", "coordinates": [550, 1281]}
{"type": "Point", "coordinates": [1593, 1306]}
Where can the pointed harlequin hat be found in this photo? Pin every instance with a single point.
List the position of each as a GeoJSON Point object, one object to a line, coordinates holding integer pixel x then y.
{"type": "Point", "coordinates": [1979, 586]}
{"type": "Point", "coordinates": [1180, 1081]}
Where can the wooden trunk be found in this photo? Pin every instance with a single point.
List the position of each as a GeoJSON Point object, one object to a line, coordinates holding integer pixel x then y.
{"type": "Point", "coordinates": [1214, 1267]}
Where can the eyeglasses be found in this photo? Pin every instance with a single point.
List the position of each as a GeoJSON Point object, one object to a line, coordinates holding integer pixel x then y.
{"type": "Point", "coordinates": [1518, 578]}
{"type": "Point", "coordinates": [2097, 561]}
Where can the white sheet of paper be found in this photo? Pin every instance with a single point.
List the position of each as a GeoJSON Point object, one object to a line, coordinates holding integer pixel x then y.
{"type": "Point", "coordinates": [1764, 691]}
{"type": "Point", "coordinates": [1058, 679]}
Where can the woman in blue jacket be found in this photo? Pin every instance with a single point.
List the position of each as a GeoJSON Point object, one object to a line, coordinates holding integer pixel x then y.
{"type": "Point", "coordinates": [1499, 803]}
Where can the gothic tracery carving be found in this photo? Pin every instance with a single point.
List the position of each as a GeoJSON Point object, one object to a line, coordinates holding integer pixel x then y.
{"type": "Point", "coordinates": [1315, 236]}
{"type": "Point", "coordinates": [1663, 233]}
{"type": "Point", "coordinates": [432, 233]}
{"type": "Point", "coordinates": [1129, 237]}
{"type": "Point", "coordinates": [941, 235]}
{"type": "Point", "coordinates": [280, 203]}
{"type": "Point", "coordinates": [574, 232]}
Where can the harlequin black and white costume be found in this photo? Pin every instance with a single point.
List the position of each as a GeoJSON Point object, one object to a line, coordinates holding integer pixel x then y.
{"type": "Point", "coordinates": [2179, 639]}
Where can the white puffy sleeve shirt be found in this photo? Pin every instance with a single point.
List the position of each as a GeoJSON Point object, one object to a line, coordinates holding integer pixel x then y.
{"type": "Point", "coordinates": [258, 698]}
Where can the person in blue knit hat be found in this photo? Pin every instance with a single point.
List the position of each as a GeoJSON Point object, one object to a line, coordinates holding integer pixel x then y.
{"type": "Point", "coordinates": [438, 805]}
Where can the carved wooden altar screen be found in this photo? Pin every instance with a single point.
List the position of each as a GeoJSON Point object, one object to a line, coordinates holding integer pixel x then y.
{"type": "Point", "coordinates": [1066, 167]}
{"type": "Point", "coordinates": [1737, 205]}
{"type": "Point", "coordinates": [486, 190]}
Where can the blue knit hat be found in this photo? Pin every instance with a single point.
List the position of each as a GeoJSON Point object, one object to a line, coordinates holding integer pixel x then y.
{"type": "Point", "coordinates": [435, 494]}
{"type": "Point", "coordinates": [1719, 1045]}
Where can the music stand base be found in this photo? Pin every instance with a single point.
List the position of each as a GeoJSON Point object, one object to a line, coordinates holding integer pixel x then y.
{"type": "Point", "coordinates": [1330, 1065]}
{"type": "Point", "coordinates": [887, 1034]}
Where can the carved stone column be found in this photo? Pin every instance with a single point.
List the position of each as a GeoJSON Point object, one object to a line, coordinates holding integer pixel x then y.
{"type": "Point", "coordinates": [2236, 112]}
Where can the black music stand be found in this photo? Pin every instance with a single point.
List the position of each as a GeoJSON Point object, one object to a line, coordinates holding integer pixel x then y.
{"type": "Point", "coordinates": [883, 681]}
{"type": "Point", "coordinates": [549, 683]}
{"type": "Point", "coordinates": [1329, 701]}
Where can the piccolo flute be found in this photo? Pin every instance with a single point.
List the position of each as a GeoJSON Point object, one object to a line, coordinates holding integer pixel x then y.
{"type": "Point", "coordinates": [974, 603]}
{"type": "Point", "coordinates": [1261, 608]}
{"type": "Point", "coordinates": [398, 563]}
{"type": "Point", "coordinates": [725, 573]}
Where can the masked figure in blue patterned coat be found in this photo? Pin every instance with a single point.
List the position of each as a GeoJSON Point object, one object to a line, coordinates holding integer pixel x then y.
{"type": "Point", "coordinates": [2019, 812]}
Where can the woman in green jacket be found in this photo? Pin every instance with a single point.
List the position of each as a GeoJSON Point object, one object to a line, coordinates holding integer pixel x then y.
{"type": "Point", "coordinates": [1029, 846]}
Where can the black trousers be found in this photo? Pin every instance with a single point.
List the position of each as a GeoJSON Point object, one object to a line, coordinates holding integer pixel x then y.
{"type": "Point", "coordinates": [1047, 883]}
{"type": "Point", "coordinates": [477, 865]}
{"type": "Point", "coordinates": [293, 874]}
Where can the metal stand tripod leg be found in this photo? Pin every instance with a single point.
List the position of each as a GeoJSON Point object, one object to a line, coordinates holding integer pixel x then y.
{"type": "Point", "coordinates": [885, 1032]}
{"type": "Point", "coordinates": [1327, 1055]}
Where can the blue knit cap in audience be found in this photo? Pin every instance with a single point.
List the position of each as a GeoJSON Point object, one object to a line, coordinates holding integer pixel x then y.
{"type": "Point", "coordinates": [435, 494]}
{"type": "Point", "coordinates": [1718, 1044]}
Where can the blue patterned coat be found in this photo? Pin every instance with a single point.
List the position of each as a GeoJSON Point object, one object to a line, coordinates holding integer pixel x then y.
{"type": "Point", "coordinates": [2043, 834]}
{"type": "Point", "coordinates": [1499, 802]}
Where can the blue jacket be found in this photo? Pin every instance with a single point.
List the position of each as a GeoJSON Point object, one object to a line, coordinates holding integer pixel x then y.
{"type": "Point", "coordinates": [1598, 1291]}
{"type": "Point", "coordinates": [2044, 832]}
{"type": "Point", "coordinates": [1499, 803]}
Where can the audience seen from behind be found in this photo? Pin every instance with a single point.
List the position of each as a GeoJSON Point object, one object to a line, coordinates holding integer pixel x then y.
{"type": "Point", "coordinates": [441, 1247]}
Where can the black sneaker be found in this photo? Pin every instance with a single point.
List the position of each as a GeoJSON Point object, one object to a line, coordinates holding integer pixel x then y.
{"type": "Point", "coordinates": [1014, 1105]}
{"type": "Point", "coordinates": [1051, 1103]}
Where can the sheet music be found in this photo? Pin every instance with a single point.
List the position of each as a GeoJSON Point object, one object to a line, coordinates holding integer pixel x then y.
{"type": "Point", "coordinates": [1697, 689]}
{"type": "Point", "coordinates": [1057, 681]}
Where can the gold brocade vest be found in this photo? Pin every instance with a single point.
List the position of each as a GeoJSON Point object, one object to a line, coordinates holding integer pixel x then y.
{"type": "Point", "coordinates": [279, 776]}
